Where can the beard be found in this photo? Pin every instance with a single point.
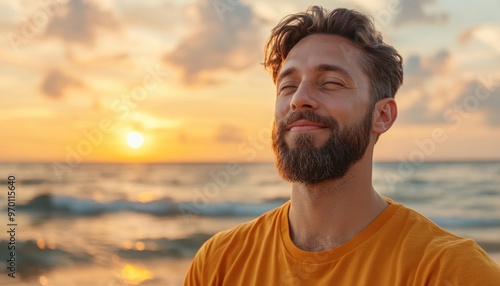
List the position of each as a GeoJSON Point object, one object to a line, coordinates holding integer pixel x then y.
{"type": "Point", "coordinates": [308, 164]}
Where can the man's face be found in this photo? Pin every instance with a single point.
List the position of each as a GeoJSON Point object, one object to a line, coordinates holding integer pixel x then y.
{"type": "Point", "coordinates": [323, 117]}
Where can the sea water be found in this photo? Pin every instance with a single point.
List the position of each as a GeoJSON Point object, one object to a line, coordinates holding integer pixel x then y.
{"type": "Point", "coordinates": [141, 224]}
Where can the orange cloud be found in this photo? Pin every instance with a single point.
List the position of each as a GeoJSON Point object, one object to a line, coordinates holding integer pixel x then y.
{"type": "Point", "coordinates": [56, 82]}
{"type": "Point", "coordinates": [80, 23]}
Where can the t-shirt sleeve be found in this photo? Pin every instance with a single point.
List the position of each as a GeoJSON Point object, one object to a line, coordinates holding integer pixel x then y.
{"type": "Point", "coordinates": [194, 276]}
{"type": "Point", "coordinates": [464, 263]}
{"type": "Point", "coordinates": [209, 264]}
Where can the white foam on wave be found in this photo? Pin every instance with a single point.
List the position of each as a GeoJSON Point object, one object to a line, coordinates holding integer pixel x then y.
{"type": "Point", "coordinates": [161, 207]}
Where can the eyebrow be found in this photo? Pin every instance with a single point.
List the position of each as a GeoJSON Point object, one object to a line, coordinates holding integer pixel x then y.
{"type": "Point", "coordinates": [321, 67]}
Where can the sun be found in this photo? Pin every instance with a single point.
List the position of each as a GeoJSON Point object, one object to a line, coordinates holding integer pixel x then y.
{"type": "Point", "coordinates": [135, 139]}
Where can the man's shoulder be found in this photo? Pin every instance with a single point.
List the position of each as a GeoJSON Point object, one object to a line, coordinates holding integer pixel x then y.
{"type": "Point", "coordinates": [439, 247]}
{"type": "Point", "coordinates": [413, 222]}
{"type": "Point", "coordinates": [422, 228]}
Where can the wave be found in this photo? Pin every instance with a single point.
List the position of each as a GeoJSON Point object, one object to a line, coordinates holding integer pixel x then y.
{"type": "Point", "coordinates": [466, 222]}
{"type": "Point", "coordinates": [163, 247]}
{"type": "Point", "coordinates": [33, 259]}
{"type": "Point", "coordinates": [68, 206]}
{"type": "Point", "coordinates": [51, 204]}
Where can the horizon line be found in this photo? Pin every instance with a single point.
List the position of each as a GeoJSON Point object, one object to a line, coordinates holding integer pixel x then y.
{"type": "Point", "coordinates": [494, 160]}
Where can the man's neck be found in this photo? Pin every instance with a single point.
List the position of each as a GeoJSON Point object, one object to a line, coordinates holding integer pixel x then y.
{"type": "Point", "coordinates": [325, 215]}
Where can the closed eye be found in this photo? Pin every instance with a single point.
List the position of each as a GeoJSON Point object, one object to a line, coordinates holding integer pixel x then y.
{"type": "Point", "coordinates": [332, 86]}
{"type": "Point", "coordinates": [287, 89]}
{"type": "Point", "coordinates": [333, 83]}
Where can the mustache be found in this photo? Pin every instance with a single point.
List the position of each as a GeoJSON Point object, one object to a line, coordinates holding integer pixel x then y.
{"type": "Point", "coordinates": [308, 115]}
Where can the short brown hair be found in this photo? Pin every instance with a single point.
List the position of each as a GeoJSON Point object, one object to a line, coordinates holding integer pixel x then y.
{"type": "Point", "coordinates": [380, 62]}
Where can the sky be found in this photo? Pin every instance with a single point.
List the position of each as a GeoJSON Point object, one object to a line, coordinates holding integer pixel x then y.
{"type": "Point", "coordinates": [79, 76]}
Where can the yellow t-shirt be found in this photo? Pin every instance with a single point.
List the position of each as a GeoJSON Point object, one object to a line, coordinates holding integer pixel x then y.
{"type": "Point", "coordinates": [399, 247]}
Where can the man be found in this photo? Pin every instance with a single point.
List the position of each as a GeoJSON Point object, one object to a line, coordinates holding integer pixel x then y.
{"type": "Point", "coordinates": [335, 83]}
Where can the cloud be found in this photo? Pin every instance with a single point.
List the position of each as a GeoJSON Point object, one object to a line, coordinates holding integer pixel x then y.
{"type": "Point", "coordinates": [415, 106]}
{"type": "Point", "coordinates": [418, 71]}
{"type": "Point", "coordinates": [482, 95]}
{"type": "Point", "coordinates": [228, 134]}
{"type": "Point", "coordinates": [56, 82]}
{"type": "Point", "coordinates": [453, 102]}
{"type": "Point", "coordinates": [80, 22]}
{"type": "Point", "coordinates": [158, 16]}
{"type": "Point", "coordinates": [226, 38]}
{"type": "Point", "coordinates": [414, 12]}
{"type": "Point", "coordinates": [486, 34]}
{"type": "Point", "coordinates": [467, 35]}
{"type": "Point", "coordinates": [414, 72]}
{"type": "Point", "coordinates": [441, 62]}
{"type": "Point", "coordinates": [422, 93]}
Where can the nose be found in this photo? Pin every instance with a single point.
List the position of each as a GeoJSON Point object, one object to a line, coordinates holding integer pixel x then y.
{"type": "Point", "coordinates": [303, 98]}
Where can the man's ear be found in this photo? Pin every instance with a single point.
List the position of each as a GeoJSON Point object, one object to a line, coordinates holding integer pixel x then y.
{"type": "Point", "coordinates": [384, 114]}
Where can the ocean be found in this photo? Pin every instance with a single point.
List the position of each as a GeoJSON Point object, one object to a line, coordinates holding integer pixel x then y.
{"type": "Point", "coordinates": [141, 224]}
